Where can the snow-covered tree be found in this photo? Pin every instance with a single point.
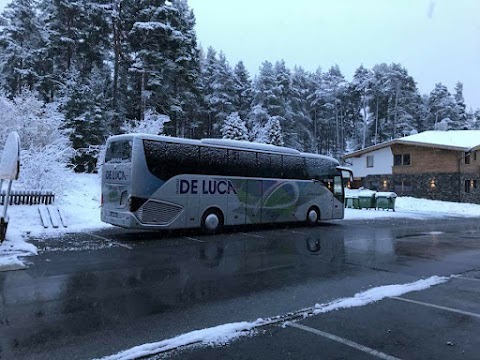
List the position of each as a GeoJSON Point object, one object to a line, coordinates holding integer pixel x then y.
{"type": "Point", "coordinates": [274, 131]}
{"type": "Point", "coordinates": [460, 107]}
{"type": "Point", "coordinates": [23, 60]}
{"type": "Point", "coordinates": [362, 84]}
{"type": "Point", "coordinates": [84, 115]}
{"type": "Point", "coordinates": [243, 90]}
{"type": "Point", "coordinates": [234, 128]}
{"type": "Point", "coordinates": [442, 106]}
{"type": "Point", "coordinates": [299, 111]}
{"type": "Point", "coordinates": [256, 123]}
{"type": "Point", "coordinates": [153, 123]}
{"type": "Point", "coordinates": [45, 145]}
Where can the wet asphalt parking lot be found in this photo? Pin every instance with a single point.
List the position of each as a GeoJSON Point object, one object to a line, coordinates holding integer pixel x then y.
{"type": "Point", "coordinates": [91, 295]}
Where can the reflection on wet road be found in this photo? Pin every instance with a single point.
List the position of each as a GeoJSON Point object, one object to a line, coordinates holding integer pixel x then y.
{"type": "Point", "coordinates": [96, 301]}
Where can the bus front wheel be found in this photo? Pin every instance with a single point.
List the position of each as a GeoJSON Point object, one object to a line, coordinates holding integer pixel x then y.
{"type": "Point", "coordinates": [212, 221]}
{"type": "Point", "coordinates": [313, 215]}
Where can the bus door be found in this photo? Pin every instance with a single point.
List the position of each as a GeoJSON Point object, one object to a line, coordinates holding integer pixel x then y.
{"type": "Point", "coordinates": [254, 202]}
{"type": "Point", "coordinates": [237, 209]}
{"type": "Point", "coordinates": [338, 206]}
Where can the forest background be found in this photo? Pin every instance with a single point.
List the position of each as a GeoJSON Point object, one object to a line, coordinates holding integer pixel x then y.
{"type": "Point", "coordinates": [73, 73]}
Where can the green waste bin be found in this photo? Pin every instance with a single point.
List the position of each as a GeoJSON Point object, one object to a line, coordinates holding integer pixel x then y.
{"type": "Point", "coordinates": [385, 200]}
{"type": "Point", "coordinates": [351, 201]}
{"type": "Point", "coordinates": [366, 199]}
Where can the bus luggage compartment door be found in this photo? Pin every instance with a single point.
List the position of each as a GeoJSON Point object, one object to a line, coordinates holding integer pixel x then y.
{"type": "Point", "coordinates": [254, 201]}
{"type": "Point", "coordinates": [237, 206]}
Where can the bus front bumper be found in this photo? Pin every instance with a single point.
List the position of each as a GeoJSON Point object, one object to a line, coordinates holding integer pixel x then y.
{"type": "Point", "coordinates": [118, 218]}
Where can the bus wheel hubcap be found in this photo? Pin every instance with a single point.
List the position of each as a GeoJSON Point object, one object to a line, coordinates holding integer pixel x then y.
{"type": "Point", "coordinates": [212, 222]}
{"type": "Point", "coordinates": [312, 216]}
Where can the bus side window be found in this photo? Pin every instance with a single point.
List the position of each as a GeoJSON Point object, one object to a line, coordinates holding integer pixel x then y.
{"type": "Point", "coordinates": [157, 159]}
{"type": "Point", "coordinates": [313, 169]}
{"type": "Point", "coordinates": [293, 167]}
{"type": "Point", "coordinates": [241, 163]}
{"type": "Point", "coordinates": [182, 158]}
{"type": "Point", "coordinates": [264, 166]}
{"type": "Point", "coordinates": [213, 161]}
{"type": "Point", "coordinates": [248, 163]}
{"type": "Point", "coordinates": [277, 166]}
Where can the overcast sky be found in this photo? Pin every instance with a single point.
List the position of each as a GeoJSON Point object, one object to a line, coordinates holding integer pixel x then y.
{"type": "Point", "coordinates": [436, 40]}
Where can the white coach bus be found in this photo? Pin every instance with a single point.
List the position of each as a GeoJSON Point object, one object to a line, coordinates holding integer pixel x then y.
{"type": "Point", "coordinates": [158, 182]}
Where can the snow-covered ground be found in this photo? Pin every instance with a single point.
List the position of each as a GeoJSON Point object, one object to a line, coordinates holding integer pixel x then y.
{"type": "Point", "coordinates": [81, 205]}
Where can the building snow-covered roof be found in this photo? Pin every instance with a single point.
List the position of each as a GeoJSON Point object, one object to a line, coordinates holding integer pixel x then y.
{"type": "Point", "coordinates": [461, 140]}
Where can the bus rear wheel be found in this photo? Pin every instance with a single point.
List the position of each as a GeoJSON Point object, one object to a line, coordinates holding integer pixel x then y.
{"type": "Point", "coordinates": [313, 215]}
{"type": "Point", "coordinates": [212, 221]}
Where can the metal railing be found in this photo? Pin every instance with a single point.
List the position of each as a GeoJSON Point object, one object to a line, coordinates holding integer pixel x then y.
{"type": "Point", "coordinates": [22, 197]}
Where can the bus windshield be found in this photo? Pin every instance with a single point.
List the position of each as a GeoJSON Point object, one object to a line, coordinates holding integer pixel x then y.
{"type": "Point", "coordinates": [119, 151]}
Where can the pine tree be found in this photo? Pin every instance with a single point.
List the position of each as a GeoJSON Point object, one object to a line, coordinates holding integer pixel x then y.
{"type": "Point", "coordinates": [84, 116]}
{"type": "Point", "coordinates": [256, 123]}
{"type": "Point", "coordinates": [274, 131]}
{"type": "Point", "coordinates": [264, 93]}
{"type": "Point", "coordinates": [334, 86]}
{"type": "Point", "coordinates": [218, 86]}
{"type": "Point", "coordinates": [315, 105]}
{"type": "Point", "coordinates": [441, 105]}
{"type": "Point", "coordinates": [300, 111]}
{"type": "Point", "coordinates": [460, 107]}
{"type": "Point", "coordinates": [243, 90]}
{"type": "Point", "coordinates": [22, 49]}
{"type": "Point", "coordinates": [362, 85]}
{"type": "Point", "coordinates": [234, 128]}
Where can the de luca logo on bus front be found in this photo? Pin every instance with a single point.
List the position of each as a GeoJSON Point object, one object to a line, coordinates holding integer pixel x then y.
{"type": "Point", "coordinates": [205, 187]}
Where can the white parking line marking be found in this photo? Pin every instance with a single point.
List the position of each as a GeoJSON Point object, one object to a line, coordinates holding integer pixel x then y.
{"type": "Point", "coordinates": [352, 344]}
{"type": "Point", "coordinates": [465, 278]}
{"type": "Point", "coordinates": [253, 235]}
{"type": "Point", "coordinates": [468, 313]}
{"type": "Point", "coordinates": [112, 241]}
{"type": "Point", "coordinates": [193, 239]}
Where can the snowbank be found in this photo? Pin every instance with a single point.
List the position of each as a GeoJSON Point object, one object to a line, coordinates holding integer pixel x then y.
{"type": "Point", "coordinates": [81, 206]}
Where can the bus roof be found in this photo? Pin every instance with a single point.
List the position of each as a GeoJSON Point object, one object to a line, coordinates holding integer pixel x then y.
{"type": "Point", "coordinates": [238, 144]}
{"type": "Point", "coordinates": [250, 146]}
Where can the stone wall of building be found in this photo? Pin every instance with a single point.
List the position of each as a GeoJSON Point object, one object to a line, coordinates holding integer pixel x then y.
{"type": "Point", "coordinates": [443, 186]}
{"type": "Point", "coordinates": [470, 188]}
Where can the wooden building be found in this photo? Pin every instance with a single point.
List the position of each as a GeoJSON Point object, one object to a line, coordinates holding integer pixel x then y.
{"type": "Point", "coordinates": [443, 165]}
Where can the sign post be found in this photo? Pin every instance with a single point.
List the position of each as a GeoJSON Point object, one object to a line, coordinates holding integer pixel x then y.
{"type": "Point", "coordinates": [9, 170]}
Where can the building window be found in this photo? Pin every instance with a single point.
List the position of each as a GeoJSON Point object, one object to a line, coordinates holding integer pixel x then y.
{"type": "Point", "coordinates": [474, 156]}
{"type": "Point", "coordinates": [402, 186]}
{"type": "Point", "coordinates": [369, 161]}
{"type": "Point", "coordinates": [467, 158]}
{"type": "Point", "coordinates": [467, 186]}
{"type": "Point", "coordinates": [401, 160]}
{"type": "Point", "coordinates": [397, 160]}
{"type": "Point", "coordinates": [474, 184]}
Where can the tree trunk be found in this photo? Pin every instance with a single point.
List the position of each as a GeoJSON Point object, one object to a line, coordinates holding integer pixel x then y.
{"type": "Point", "coordinates": [395, 111]}
{"type": "Point", "coordinates": [376, 119]}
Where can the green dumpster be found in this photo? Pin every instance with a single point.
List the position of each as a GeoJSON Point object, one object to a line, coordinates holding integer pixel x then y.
{"type": "Point", "coordinates": [385, 200]}
{"type": "Point", "coordinates": [351, 201]}
{"type": "Point", "coordinates": [366, 199]}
